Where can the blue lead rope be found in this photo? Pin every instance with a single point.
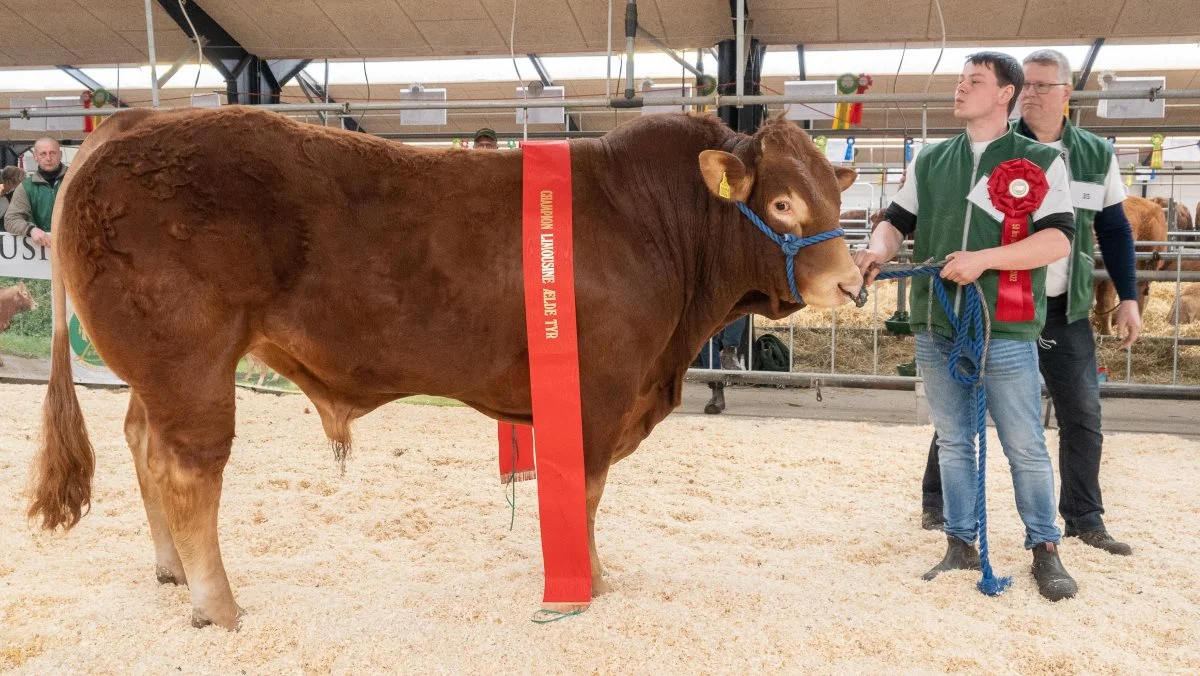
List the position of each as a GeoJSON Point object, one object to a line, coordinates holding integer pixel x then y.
{"type": "Point", "coordinates": [972, 330]}
{"type": "Point", "coordinates": [790, 244]}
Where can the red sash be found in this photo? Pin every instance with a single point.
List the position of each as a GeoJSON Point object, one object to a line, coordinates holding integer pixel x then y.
{"type": "Point", "coordinates": [554, 372]}
{"type": "Point", "coordinates": [1016, 188]}
{"type": "Point", "coordinates": [516, 452]}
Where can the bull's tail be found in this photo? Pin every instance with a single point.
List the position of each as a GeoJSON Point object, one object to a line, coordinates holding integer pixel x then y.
{"type": "Point", "coordinates": [66, 461]}
{"type": "Point", "coordinates": [62, 489]}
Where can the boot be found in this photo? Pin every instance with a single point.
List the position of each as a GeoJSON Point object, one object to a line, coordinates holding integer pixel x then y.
{"type": "Point", "coordinates": [1053, 580]}
{"type": "Point", "coordinates": [729, 359]}
{"type": "Point", "coordinates": [932, 518]}
{"type": "Point", "coordinates": [959, 556]}
{"type": "Point", "coordinates": [1100, 539]}
{"type": "Point", "coordinates": [716, 403]}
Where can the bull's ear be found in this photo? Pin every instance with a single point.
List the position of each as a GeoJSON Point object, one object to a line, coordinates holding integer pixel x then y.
{"type": "Point", "coordinates": [725, 175]}
{"type": "Point", "coordinates": [845, 177]}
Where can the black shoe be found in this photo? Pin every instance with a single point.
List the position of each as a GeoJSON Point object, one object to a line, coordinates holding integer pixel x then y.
{"type": "Point", "coordinates": [932, 519]}
{"type": "Point", "coordinates": [959, 556]}
{"type": "Point", "coordinates": [716, 403]}
{"type": "Point", "coordinates": [1053, 581]}
{"type": "Point", "coordinates": [1100, 539]}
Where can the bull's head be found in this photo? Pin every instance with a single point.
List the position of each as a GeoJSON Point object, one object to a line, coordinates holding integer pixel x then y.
{"type": "Point", "coordinates": [785, 179]}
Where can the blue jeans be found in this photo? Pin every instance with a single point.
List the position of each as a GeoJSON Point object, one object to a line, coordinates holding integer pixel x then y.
{"type": "Point", "coordinates": [730, 335]}
{"type": "Point", "coordinates": [1014, 400]}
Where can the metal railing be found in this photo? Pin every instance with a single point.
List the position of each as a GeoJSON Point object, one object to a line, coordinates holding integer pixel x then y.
{"type": "Point", "coordinates": [1177, 253]}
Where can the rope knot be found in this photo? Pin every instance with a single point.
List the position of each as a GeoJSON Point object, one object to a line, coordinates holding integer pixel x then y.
{"type": "Point", "coordinates": [791, 245]}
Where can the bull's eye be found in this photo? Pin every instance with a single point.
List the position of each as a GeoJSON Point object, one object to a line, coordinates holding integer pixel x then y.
{"type": "Point", "coordinates": [782, 206]}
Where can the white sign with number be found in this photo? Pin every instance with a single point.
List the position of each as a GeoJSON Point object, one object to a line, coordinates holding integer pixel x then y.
{"type": "Point", "coordinates": [1088, 196]}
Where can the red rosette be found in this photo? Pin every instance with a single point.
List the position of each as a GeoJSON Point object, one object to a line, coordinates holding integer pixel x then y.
{"type": "Point", "coordinates": [1016, 189]}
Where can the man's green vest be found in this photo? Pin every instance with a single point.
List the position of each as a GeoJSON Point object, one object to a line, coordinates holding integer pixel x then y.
{"type": "Point", "coordinates": [1088, 157]}
{"type": "Point", "coordinates": [41, 200]}
{"type": "Point", "coordinates": [947, 222]}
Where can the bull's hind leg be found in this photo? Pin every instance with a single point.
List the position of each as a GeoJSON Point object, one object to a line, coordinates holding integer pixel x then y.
{"type": "Point", "coordinates": [168, 567]}
{"type": "Point", "coordinates": [191, 433]}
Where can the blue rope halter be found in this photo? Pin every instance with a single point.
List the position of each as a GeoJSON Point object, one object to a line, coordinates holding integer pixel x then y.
{"type": "Point", "coordinates": [972, 331]}
{"type": "Point", "coordinates": [790, 244]}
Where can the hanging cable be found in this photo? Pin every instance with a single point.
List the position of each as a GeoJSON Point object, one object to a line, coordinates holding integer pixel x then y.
{"type": "Point", "coordinates": [199, 45]}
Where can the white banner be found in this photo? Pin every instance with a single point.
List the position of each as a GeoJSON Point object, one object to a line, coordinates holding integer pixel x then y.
{"type": "Point", "coordinates": [19, 257]}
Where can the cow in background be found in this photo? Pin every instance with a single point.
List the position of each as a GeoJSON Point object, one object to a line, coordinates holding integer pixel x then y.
{"type": "Point", "coordinates": [857, 218]}
{"type": "Point", "coordinates": [256, 365]}
{"type": "Point", "coordinates": [1149, 224]}
{"type": "Point", "coordinates": [1183, 217]}
{"type": "Point", "coordinates": [13, 301]}
{"type": "Point", "coordinates": [1188, 305]}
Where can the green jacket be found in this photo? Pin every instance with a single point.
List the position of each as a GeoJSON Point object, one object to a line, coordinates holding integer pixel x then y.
{"type": "Point", "coordinates": [1087, 157]}
{"type": "Point", "coordinates": [32, 204]}
{"type": "Point", "coordinates": [948, 222]}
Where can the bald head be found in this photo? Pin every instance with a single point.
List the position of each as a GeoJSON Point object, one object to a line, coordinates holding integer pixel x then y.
{"type": "Point", "coordinates": [48, 154]}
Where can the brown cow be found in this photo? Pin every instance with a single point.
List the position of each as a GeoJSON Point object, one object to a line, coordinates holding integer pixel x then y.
{"type": "Point", "coordinates": [1149, 224]}
{"type": "Point", "coordinates": [188, 238]}
{"type": "Point", "coordinates": [1183, 217]}
{"type": "Point", "coordinates": [1188, 305]}
{"type": "Point", "coordinates": [857, 218]}
{"type": "Point", "coordinates": [256, 365]}
{"type": "Point", "coordinates": [13, 301]}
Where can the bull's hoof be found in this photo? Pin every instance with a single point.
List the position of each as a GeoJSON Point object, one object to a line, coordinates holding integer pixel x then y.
{"type": "Point", "coordinates": [599, 587]}
{"type": "Point", "coordinates": [165, 576]}
{"type": "Point", "coordinates": [233, 622]}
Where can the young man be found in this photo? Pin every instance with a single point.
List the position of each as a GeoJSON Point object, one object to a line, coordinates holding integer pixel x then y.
{"type": "Point", "coordinates": [947, 207]}
{"type": "Point", "coordinates": [1067, 348]}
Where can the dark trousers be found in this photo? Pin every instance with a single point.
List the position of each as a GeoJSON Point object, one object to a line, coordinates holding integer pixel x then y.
{"type": "Point", "coordinates": [1067, 359]}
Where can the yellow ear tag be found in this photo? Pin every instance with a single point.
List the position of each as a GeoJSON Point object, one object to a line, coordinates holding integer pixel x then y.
{"type": "Point", "coordinates": [724, 190]}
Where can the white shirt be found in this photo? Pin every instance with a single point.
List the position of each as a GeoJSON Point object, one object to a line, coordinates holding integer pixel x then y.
{"type": "Point", "coordinates": [1057, 282]}
{"type": "Point", "coordinates": [1057, 200]}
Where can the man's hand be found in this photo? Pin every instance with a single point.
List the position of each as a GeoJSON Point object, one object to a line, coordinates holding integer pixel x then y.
{"type": "Point", "coordinates": [964, 267]}
{"type": "Point", "coordinates": [1128, 322]}
{"type": "Point", "coordinates": [40, 237]}
{"type": "Point", "coordinates": [868, 263]}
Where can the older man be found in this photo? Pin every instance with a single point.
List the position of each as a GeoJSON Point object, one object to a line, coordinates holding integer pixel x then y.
{"type": "Point", "coordinates": [1066, 347]}
{"type": "Point", "coordinates": [33, 201]}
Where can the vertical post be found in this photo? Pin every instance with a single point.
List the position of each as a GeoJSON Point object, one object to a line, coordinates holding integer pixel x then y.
{"type": "Point", "coordinates": [874, 331]}
{"type": "Point", "coordinates": [153, 57]}
{"type": "Point", "coordinates": [631, 22]}
{"type": "Point", "coordinates": [791, 341]}
{"type": "Point", "coordinates": [1178, 282]}
{"type": "Point", "coordinates": [833, 340]}
{"type": "Point", "coordinates": [608, 56]}
{"type": "Point", "coordinates": [740, 32]}
{"type": "Point", "coordinates": [802, 74]}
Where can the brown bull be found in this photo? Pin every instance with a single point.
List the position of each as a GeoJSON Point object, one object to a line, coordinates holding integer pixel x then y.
{"type": "Point", "coordinates": [1149, 224]}
{"type": "Point", "coordinates": [187, 239]}
{"type": "Point", "coordinates": [1183, 217]}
